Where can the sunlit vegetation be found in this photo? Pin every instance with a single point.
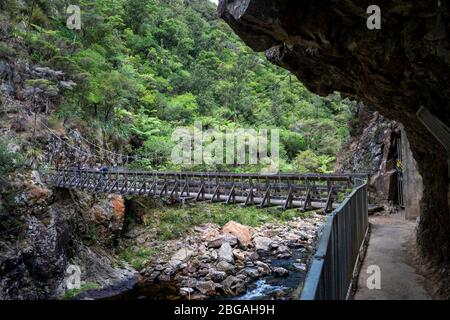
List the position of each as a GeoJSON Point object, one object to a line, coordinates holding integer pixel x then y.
{"type": "Point", "coordinates": [143, 68]}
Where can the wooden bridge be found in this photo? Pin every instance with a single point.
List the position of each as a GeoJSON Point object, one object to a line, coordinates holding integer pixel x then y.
{"type": "Point", "coordinates": [287, 191]}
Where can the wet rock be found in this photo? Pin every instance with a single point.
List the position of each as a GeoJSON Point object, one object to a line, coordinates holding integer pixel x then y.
{"type": "Point", "coordinates": [252, 273]}
{"type": "Point", "coordinates": [226, 267]}
{"type": "Point", "coordinates": [207, 288]}
{"type": "Point", "coordinates": [241, 232]}
{"type": "Point", "coordinates": [295, 245]}
{"type": "Point", "coordinates": [263, 268]}
{"type": "Point", "coordinates": [188, 282]}
{"type": "Point", "coordinates": [283, 249]}
{"type": "Point", "coordinates": [299, 266]}
{"type": "Point", "coordinates": [233, 286]}
{"type": "Point", "coordinates": [284, 256]}
{"type": "Point", "coordinates": [164, 278]}
{"type": "Point", "coordinates": [274, 245]}
{"type": "Point", "coordinates": [217, 276]}
{"type": "Point", "coordinates": [280, 272]}
{"type": "Point", "coordinates": [198, 297]}
{"type": "Point", "coordinates": [226, 253]}
{"type": "Point", "coordinates": [153, 276]}
{"type": "Point", "coordinates": [284, 252]}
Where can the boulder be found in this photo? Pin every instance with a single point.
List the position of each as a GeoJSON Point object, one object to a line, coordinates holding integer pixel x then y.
{"type": "Point", "coordinates": [233, 286]}
{"type": "Point", "coordinates": [238, 255]}
{"type": "Point", "coordinates": [217, 242]}
{"type": "Point", "coordinates": [280, 272]}
{"type": "Point", "coordinates": [252, 273]}
{"type": "Point", "coordinates": [262, 244]}
{"type": "Point", "coordinates": [180, 257]}
{"type": "Point", "coordinates": [225, 267]}
{"type": "Point", "coordinates": [283, 249]}
{"type": "Point", "coordinates": [207, 288]}
{"type": "Point", "coordinates": [226, 253]}
{"type": "Point", "coordinates": [263, 268]}
{"type": "Point", "coordinates": [217, 276]}
{"type": "Point", "coordinates": [241, 232]}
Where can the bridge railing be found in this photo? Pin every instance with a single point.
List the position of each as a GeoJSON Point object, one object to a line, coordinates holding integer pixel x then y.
{"type": "Point", "coordinates": [288, 190]}
{"type": "Point", "coordinates": [335, 262]}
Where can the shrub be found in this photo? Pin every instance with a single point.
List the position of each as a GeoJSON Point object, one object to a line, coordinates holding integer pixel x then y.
{"type": "Point", "coordinates": [9, 161]}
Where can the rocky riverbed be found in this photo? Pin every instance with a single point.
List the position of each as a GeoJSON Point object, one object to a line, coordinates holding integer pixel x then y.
{"type": "Point", "coordinates": [233, 261]}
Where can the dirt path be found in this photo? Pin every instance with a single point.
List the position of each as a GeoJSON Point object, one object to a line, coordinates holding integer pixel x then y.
{"type": "Point", "coordinates": [390, 248]}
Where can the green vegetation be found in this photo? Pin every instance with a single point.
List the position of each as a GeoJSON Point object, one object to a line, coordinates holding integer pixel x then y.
{"type": "Point", "coordinates": [143, 68]}
{"type": "Point", "coordinates": [175, 221]}
{"type": "Point", "coordinates": [72, 293]}
{"type": "Point", "coordinates": [138, 257]}
{"type": "Point", "coordinates": [8, 160]}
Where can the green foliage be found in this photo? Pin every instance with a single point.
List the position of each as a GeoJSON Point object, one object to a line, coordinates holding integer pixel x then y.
{"type": "Point", "coordinates": [143, 68]}
{"type": "Point", "coordinates": [5, 50]}
{"type": "Point", "coordinates": [72, 293]}
{"type": "Point", "coordinates": [309, 162]}
{"type": "Point", "coordinates": [9, 161]}
{"type": "Point", "coordinates": [174, 222]}
{"type": "Point", "coordinates": [138, 257]}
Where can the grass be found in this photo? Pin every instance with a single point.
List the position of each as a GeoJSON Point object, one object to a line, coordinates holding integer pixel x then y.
{"type": "Point", "coordinates": [174, 222]}
{"type": "Point", "coordinates": [138, 257]}
{"type": "Point", "coordinates": [72, 293]}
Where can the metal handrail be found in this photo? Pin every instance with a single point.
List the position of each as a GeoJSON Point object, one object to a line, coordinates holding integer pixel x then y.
{"type": "Point", "coordinates": [333, 267]}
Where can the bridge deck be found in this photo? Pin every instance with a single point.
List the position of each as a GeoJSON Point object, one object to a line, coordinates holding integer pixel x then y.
{"type": "Point", "coordinates": [305, 191]}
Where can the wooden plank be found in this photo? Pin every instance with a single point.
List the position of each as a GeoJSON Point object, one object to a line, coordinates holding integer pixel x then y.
{"type": "Point", "coordinates": [216, 194]}
{"type": "Point", "coordinates": [250, 197]}
{"type": "Point", "coordinates": [329, 204]}
{"type": "Point", "coordinates": [201, 193]}
{"type": "Point", "coordinates": [152, 190]}
{"type": "Point", "coordinates": [288, 204]}
{"type": "Point", "coordinates": [266, 200]}
{"type": "Point", "coordinates": [307, 203]}
{"type": "Point", "coordinates": [164, 189]}
{"type": "Point", "coordinates": [232, 196]}
{"type": "Point", "coordinates": [174, 190]}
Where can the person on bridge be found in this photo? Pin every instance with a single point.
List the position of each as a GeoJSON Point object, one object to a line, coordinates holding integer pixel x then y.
{"type": "Point", "coordinates": [103, 170]}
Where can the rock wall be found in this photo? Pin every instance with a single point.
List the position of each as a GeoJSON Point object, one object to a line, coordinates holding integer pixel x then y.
{"type": "Point", "coordinates": [372, 148]}
{"type": "Point", "coordinates": [413, 184]}
{"type": "Point", "coordinates": [395, 70]}
{"type": "Point", "coordinates": [56, 229]}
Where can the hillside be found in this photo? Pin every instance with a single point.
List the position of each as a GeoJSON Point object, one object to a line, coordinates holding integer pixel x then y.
{"type": "Point", "coordinates": [142, 69]}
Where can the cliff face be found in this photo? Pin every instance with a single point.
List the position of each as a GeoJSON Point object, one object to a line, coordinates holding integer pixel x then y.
{"type": "Point", "coordinates": [395, 71]}
{"type": "Point", "coordinates": [43, 231]}
{"type": "Point", "coordinates": [373, 148]}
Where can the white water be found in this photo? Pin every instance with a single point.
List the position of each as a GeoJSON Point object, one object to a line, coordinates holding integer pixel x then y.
{"type": "Point", "coordinates": [262, 290]}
